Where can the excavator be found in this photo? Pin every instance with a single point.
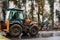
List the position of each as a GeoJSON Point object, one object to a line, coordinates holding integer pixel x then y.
{"type": "Point", "coordinates": [16, 23]}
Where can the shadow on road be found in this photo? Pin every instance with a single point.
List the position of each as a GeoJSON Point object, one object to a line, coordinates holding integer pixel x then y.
{"type": "Point", "coordinates": [32, 37]}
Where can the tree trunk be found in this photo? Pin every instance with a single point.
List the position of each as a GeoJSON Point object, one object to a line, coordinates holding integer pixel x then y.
{"type": "Point", "coordinates": [38, 13]}
{"type": "Point", "coordinates": [32, 8]}
{"type": "Point", "coordinates": [52, 11]}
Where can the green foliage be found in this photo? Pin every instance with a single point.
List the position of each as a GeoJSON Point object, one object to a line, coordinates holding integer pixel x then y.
{"type": "Point", "coordinates": [41, 4]}
{"type": "Point", "coordinates": [32, 9]}
{"type": "Point", "coordinates": [51, 1]}
{"type": "Point", "coordinates": [59, 1]}
{"type": "Point", "coordinates": [24, 1]}
{"type": "Point", "coordinates": [15, 2]}
{"type": "Point", "coordinates": [37, 1]}
{"type": "Point", "coordinates": [5, 4]}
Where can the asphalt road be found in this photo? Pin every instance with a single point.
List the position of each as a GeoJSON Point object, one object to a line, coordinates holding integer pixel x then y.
{"type": "Point", "coordinates": [49, 38]}
{"type": "Point", "coordinates": [43, 35]}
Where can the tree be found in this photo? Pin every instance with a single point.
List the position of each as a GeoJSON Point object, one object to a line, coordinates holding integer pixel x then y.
{"type": "Point", "coordinates": [5, 7]}
{"type": "Point", "coordinates": [51, 2]}
{"type": "Point", "coordinates": [41, 4]}
{"type": "Point", "coordinates": [59, 1]}
{"type": "Point", "coordinates": [17, 3]}
{"type": "Point", "coordinates": [24, 1]}
{"type": "Point", "coordinates": [32, 9]}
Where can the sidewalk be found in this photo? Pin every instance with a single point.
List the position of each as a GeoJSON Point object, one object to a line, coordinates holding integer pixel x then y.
{"type": "Point", "coordinates": [2, 37]}
{"type": "Point", "coordinates": [49, 33]}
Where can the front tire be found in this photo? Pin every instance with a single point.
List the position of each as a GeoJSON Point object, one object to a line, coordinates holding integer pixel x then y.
{"type": "Point", "coordinates": [15, 30]}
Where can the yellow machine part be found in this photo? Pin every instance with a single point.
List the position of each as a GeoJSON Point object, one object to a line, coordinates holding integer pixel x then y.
{"type": "Point", "coordinates": [7, 26]}
{"type": "Point", "coordinates": [27, 21]}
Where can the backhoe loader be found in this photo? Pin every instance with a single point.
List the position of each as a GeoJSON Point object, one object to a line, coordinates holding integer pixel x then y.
{"type": "Point", "coordinates": [15, 23]}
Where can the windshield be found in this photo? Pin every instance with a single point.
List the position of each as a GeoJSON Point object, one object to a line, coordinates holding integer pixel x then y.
{"type": "Point", "coordinates": [14, 14]}
{"type": "Point", "coordinates": [20, 15]}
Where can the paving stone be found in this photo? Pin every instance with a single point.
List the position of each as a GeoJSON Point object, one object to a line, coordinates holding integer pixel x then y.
{"type": "Point", "coordinates": [3, 38]}
{"type": "Point", "coordinates": [47, 35]}
{"type": "Point", "coordinates": [2, 33]}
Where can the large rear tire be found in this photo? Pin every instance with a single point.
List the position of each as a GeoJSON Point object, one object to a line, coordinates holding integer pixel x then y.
{"type": "Point", "coordinates": [33, 31]}
{"type": "Point", "coordinates": [15, 30]}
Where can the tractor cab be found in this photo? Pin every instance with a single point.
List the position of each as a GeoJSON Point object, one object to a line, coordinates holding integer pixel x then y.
{"type": "Point", "coordinates": [15, 15]}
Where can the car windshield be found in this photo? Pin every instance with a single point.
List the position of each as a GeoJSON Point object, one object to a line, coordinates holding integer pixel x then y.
{"type": "Point", "coordinates": [13, 14]}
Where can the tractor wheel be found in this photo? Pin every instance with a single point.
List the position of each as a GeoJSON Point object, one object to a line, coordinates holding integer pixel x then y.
{"type": "Point", "coordinates": [33, 31]}
{"type": "Point", "coordinates": [15, 30]}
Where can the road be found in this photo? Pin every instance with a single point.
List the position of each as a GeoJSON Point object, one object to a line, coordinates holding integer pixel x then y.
{"type": "Point", "coordinates": [43, 35]}
{"type": "Point", "coordinates": [50, 38]}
